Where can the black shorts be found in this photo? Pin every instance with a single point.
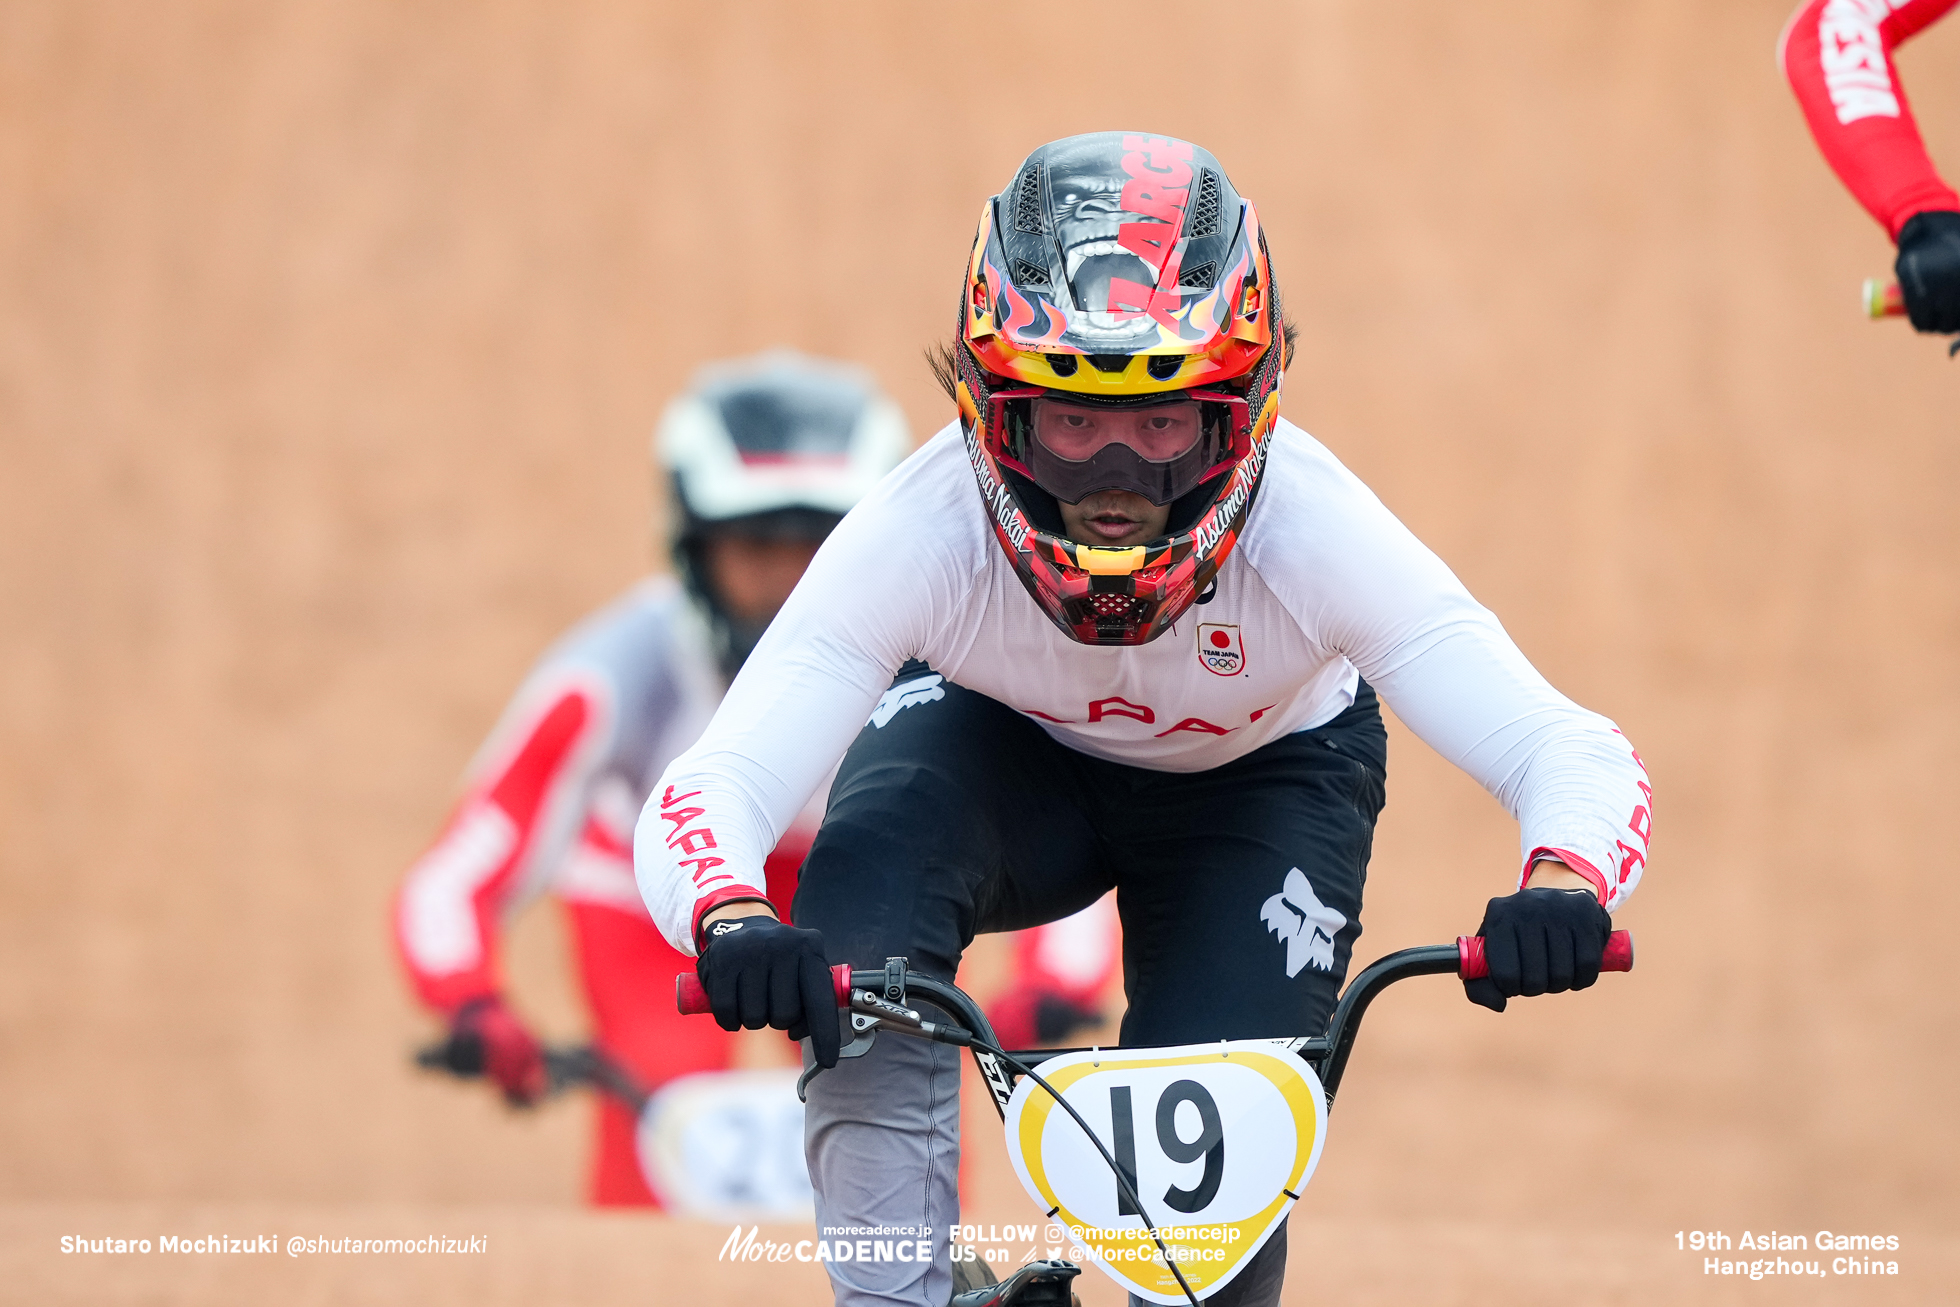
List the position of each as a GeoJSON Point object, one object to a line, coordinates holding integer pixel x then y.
{"type": "Point", "coordinates": [1239, 887]}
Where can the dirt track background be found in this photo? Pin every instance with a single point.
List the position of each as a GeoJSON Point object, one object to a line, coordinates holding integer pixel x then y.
{"type": "Point", "coordinates": [330, 339]}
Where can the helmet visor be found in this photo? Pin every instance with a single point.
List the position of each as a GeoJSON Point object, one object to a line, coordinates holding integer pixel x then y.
{"type": "Point", "coordinates": [1161, 449]}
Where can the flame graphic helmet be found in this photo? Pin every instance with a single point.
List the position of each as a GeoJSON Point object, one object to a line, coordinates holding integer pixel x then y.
{"type": "Point", "coordinates": [1119, 269]}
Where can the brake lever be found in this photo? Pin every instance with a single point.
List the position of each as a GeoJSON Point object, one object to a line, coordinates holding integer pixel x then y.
{"type": "Point", "coordinates": [865, 1031]}
{"type": "Point", "coordinates": [869, 1014]}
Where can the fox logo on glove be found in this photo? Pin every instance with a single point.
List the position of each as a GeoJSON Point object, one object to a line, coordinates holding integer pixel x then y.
{"type": "Point", "coordinates": [1307, 925]}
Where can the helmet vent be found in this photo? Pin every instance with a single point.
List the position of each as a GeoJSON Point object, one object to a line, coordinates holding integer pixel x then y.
{"type": "Point", "coordinates": [1064, 364]}
{"type": "Point", "coordinates": [1202, 275]}
{"type": "Point", "coordinates": [1027, 274]}
{"type": "Point", "coordinates": [1027, 202]}
{"type": "Point", "coordinates": [1111, 607]}
{"type": "Point", "coordinates": [1162, 367]}
{"type": "Point", "coordinates": [1204, 214]}
{"type": "Point", "coordinates": [1108, 362]}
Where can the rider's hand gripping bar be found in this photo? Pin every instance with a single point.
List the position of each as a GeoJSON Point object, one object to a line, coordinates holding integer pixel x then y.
{"type": "Point", "coordinates": [1471, 965]}
{"type": "Point", "coordinates": [693, 1000]}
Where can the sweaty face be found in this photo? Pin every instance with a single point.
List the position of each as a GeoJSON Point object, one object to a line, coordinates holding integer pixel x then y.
{"type": "Point", "coordinates": [1076, 431]}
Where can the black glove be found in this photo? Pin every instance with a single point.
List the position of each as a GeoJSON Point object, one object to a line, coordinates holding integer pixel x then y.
{"type": "Point", "coordinates": [487, 1039]}
{"type": "Point", "coordinates": [759, 972]}
{"type": "Point", "coordinates": [1539, 941]}
{"type": "Point", "coordinates": [1929, 269]}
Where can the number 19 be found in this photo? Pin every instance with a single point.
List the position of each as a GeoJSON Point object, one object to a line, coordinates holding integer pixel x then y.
{"type": "Point", "coordinates": [1210, 1144]}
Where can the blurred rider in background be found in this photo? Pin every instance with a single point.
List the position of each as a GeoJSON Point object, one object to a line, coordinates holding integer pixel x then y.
{"type": "Point", "coordinates": [765, 457]}
{"type": "Point", "coordinates": [1838, 57]}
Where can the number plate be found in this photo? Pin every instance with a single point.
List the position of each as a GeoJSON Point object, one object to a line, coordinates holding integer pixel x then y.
{"type": "Point", "coordinates": [727, 1145]}
{"type": "Point", "coordinates": [1220, 1138]}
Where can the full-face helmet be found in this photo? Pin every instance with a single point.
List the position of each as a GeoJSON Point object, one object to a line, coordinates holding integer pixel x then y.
{"type": "Point", "coordinates": [1119, 271]}
{"type": "Point", "coordinates": [776, 448]}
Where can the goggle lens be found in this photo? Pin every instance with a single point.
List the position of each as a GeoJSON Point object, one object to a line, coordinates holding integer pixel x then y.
{"type": "Point", "coordinates": [1158, 450]}
{"type": "Point", "coordinates": [1077, 432]}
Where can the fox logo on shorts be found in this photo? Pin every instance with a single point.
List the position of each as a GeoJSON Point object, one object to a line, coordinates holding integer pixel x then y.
{"type": "Point", "coordinates": [920, 689]}
{"type": "Point", "coordinates": [1308, 926]}
{"type": "Point", "coordinates": [1219, 649]}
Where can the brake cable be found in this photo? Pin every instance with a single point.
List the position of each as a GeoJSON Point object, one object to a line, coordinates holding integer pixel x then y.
{"type": "Point", "coordinates": [1123, 1184]}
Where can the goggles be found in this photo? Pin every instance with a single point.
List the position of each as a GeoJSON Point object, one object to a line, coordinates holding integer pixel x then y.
{"type": "Point", "coordinates": [1163, 448]}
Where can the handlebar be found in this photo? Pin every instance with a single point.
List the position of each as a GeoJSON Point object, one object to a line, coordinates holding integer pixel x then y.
{"type": "Point", "coordinates": [564, 1068]}
{"type": "Point", "coordinates": [1465, 958]}
{"type": "Point", "coordinates": [860, 992]}
{"type": "Point", "coordinates": [692, 999]}
{"type": "Point", "coordinates": [1886, 300]}
{"type": "Point", "coordinates": [1883, 299]}
{"type": "Point", "coordinates": [1471, 965]}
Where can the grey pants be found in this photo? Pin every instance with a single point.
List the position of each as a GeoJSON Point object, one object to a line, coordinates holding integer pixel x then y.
{"type": "Point", "coordinates": [882, 1134]}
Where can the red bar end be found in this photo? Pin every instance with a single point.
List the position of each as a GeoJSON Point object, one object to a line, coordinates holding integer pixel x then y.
{"type": "Point", "coordinates": [689, 997]}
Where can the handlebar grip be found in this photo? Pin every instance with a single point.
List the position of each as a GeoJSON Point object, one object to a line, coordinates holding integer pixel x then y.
{"type": "Point", "coordinates": [1471, 965]}
{"type": "Point", "coordinates": [692, 1000]}
{"type": "Point", "coordinates": [1884, 299]}
{"type": "Point", "coordinates": [689, 996]}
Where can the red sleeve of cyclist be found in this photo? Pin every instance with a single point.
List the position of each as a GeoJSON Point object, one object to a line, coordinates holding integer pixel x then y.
{"type": "Point", "coordinates": [449, 906]}
{"type": "Point", "coordinates": [1838, 57]}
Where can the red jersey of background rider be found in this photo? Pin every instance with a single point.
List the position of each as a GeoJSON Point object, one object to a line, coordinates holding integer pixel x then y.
{"type": "Point", "coordinates": [1838, 57]}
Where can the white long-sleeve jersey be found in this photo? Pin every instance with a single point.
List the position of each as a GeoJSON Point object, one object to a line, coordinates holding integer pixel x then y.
{"type": "Point", "coordinates": [1325, 586]}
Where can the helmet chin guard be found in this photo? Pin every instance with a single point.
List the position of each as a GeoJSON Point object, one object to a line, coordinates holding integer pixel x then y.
{"type": "Point", "coordinates": [1116, 269]}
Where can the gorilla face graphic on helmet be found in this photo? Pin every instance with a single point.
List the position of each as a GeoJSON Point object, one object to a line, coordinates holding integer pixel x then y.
{"type": "Point", "coordinates": [1119, 232]}
{"type": "Point", "coordinates": [1085, 211]}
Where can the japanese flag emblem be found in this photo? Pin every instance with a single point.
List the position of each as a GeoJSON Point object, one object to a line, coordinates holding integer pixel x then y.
{"type": "Point", "coordinates": [1219, 649]}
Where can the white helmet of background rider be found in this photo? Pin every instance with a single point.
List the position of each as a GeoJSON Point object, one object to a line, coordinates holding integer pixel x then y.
{"type": "Point", "coordinates": [774, 447]}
